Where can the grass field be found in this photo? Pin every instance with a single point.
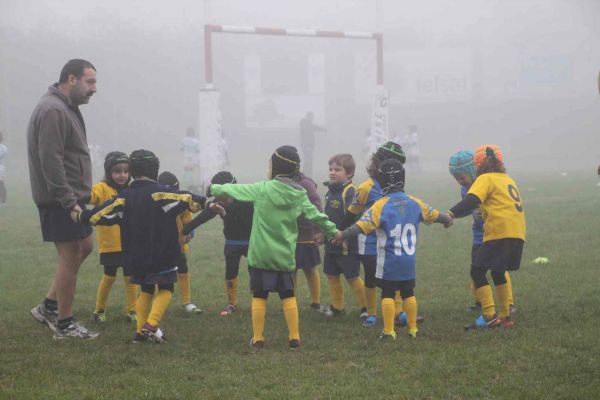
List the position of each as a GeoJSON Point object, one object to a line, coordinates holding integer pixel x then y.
{"type": "Point", "coordinates": [552, 352]}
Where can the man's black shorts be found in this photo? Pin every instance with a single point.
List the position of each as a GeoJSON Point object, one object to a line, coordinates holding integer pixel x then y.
{"type": "Point", "coordinates": [57, 225]}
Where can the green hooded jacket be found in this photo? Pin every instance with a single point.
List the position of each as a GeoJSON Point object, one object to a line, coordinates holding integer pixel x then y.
{"type": "Point", "coordinates": [277, 205]}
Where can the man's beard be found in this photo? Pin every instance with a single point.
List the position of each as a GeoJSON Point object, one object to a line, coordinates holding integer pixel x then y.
{"type": "Point", "coordinates": [78, 97]}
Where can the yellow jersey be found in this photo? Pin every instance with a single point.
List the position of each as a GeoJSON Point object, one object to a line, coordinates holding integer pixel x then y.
{"type": "Point", "coordinates": [501, 206]}
{"type": "Point", "coordinates": [107, 237]}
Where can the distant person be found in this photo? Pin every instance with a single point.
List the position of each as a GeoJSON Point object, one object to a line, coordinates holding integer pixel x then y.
{"type": "Point", "coordinates": [3, 154]}
{"type": "Point", "coordinates": [108, 238]}
{"type": "Point", "coordinates": [97, 157]}
{"type": "Point", "coordinates": [60, 172]}
{"type": "Point", "coordinates": [411, 144]}
{"type": "Point", "coordinates": [307, 140]}
{"type": "Point", "coordinates": [190, 146]}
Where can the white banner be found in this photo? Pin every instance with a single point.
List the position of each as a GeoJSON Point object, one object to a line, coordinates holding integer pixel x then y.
{"type": "Point", "coordinates": [379, 120]}
{"type": "Point", "coordinates": [213, 157]}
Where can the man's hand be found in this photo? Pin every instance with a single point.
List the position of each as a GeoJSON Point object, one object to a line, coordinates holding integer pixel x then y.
{"type": "Point", "coordinates": [75, 212]}
{"type": "Point", "coordinates": [186, 239]}
{"type": "Point", "coordinates": [216, 207]}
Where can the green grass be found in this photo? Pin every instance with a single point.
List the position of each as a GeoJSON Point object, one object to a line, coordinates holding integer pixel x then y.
{"type": "Point", "coordinates": [553, 352]}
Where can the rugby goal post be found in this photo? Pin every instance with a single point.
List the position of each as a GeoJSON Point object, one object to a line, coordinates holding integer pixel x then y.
{"type": "Point", "coordinates": [209, 115]}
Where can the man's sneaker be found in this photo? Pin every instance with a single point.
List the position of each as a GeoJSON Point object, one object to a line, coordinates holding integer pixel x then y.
{"type": "Point", "coordinates": [228, 310]}
{"type": "Point", "coordinates": [153, 333]}
{"type": "Point", "coordinates": [294, 344]}
{"type": "Point", "coordinates": [317, 308]}
{"type": "Point", "coordinates": [131, 317]}
{"type": "Point", "coordinates": [138, 338]}
{"type": "Point", "coordinates": [363, 314]}
{"type": "Point", "coordinates": [333, 312]}
{"type": "Point", "coordinates": [257, 344]}
{"type": "Point", "coordinates": [370, 322]}
{"type": "Point", "coordinates": [401, 320]}
{"type": "Point", "coordinates": [413, 333]}
{"type": "Point", "coordinates": [387, 336]}
{"type": "Point", "coordinates": [100, 317]}
{"type": "Point", "coordinates": [512, 309]}
{"type": "Point", "coordinates": [191, 309]}
{"type": "Point", "coordinates": [507, 322]}
{"type": "Point", "coordinates": [482, 323]}
{"type": "Point", "coordinates": [45, 316]}
{"type": "Point", "coordinates": [75, 330]}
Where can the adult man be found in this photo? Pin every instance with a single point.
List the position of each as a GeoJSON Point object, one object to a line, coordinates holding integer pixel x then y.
{"type": "Point", "coordinates": [307, 140]}
{"type": "Point", "coordinates": [60, 172]}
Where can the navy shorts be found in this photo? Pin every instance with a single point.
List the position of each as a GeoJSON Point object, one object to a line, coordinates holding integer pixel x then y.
{"type": "Point", "coordinates": [307, 255]}
{"type": "Point", "coordinates": [159, 278]}
{"type": "Point", "coordinates": [336, 264]}
{"type": "Point", "coordinates": [113, 259]}
{"type": "Point", "coordinates": [264, 280]}
{"type": "Point", "coordinates": [57, 225]}
{"type": "Point", "coordinates": [233, 254]}
{"type": "Point", "coordinates": [499, 255]}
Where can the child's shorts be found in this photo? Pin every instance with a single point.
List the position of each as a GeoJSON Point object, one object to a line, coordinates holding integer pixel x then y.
{"type": "Point", "coordinates": [307, 255]}
{"type": "Point", "coordinates": [113, 259]}
{"type": "Point", "coordinates": [159, 278]}
{"type": "Point", "coordinates": [263, 280]}
{"type": "Point", "coordinates": [500, 255]}
{"type": "Point", "coordinates": [335, 264]}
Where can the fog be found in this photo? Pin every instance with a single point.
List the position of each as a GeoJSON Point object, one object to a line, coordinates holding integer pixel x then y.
{"type": "Point", "coordinates": [518, 73]}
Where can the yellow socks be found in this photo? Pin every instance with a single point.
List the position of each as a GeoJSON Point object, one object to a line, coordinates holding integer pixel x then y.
{"type": "Point", "coordinates": [290, 311]}
{"type": "Point", "coordinates": [509, 283]}
{"type": "Point", "coordinates": [486, 298]}
{"type": "Point", "coordinates": [358, 287]}
{"type": "Point", "coordinates": [398, 303]}
{"type": "Point", "coordinates": [336, 292]}
{"type": "Point", "coordinates": [259, 311]}
{"type": "Point", "coordinates": [388, 308]}
{"type": "Point", "coordinates": [314, 284]}
{"type": "Point", "coordinates": [159, 306]}
{"type": "Point", "coordinates": [371, 299]}
{"type": "Point", "coordinates": [142, 306]}
{"type": "Point", "coordinates": [131, 294]}
{"type": "Point", "coordinates": [103, 291]}
{"type": "Point", "coordinates": [477, 301]}
{"type": "Point", "coordinates": [504, 294]}
{"type": "Point", "coordinates": [410, 307]}
{"type": "Point", "coordinates": [231, 286]}
{"type": "Point", "coordinates": [184, 288]}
